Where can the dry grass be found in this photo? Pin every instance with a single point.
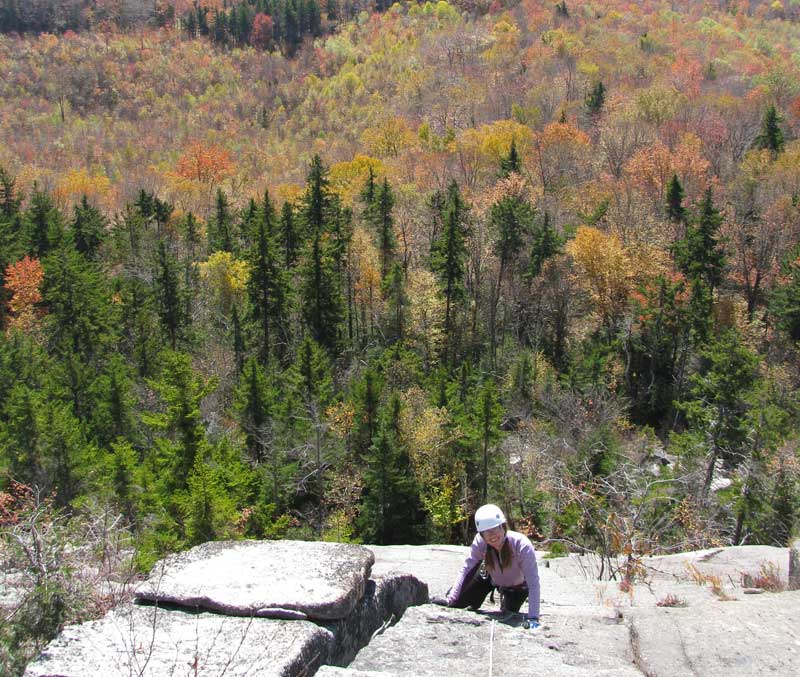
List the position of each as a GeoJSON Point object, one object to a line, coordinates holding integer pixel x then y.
{"type": "Point", "coordinates": [768, 578]}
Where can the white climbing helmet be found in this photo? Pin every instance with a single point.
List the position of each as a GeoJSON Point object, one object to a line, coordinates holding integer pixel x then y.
{"type": "Point", "coordinates": [489, 516]}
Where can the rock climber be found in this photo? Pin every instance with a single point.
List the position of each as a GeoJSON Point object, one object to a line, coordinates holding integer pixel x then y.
{"type": "Point", "coordinates": [498, 558]}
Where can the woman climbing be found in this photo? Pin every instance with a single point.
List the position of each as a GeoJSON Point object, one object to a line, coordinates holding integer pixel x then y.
{"type": "Point", "coordinates": [510, 566]}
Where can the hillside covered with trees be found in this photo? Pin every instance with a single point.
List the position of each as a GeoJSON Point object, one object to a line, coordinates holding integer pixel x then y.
{"type": "Point", "coordinates": [282, 268]}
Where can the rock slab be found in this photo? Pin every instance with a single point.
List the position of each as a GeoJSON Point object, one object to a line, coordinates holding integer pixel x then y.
{"type": "Point", "coordinates": [749, 636]}
{"type": "Point", "coordinates": [148, 641]}
{"type": "Point", "coordinates": [271, 579]}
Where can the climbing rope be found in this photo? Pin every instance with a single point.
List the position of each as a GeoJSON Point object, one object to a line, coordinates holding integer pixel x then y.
{"type": "Point", "coordinates": [491, 649]}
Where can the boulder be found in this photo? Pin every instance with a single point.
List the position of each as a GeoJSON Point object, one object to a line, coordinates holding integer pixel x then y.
{"type": "Point", "coordinates": [272, 579]}
{"type": "Point", "coordinates": [750, 636]}
{"type": "Point", "coordinates": [151, 641]}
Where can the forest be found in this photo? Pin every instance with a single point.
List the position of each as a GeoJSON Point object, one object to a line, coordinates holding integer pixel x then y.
{"type": "Point", "coordinates": [345, 271]}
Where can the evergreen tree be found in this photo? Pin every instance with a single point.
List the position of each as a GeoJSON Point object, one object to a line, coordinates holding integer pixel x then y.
{"type": "Point", "coordinates": [10, 200]}
{"type": "Point", "coordinates": [596, 98]}
{"type": "Point", "coordinates": [448, 261]}
{"type": "Point", "coordinates": [546, 244]}
{"type": "Point", "coordinates": [512, 163]}
{"type": "Point", "coordinates": [321, 289]}
{"type": "Point", "coordinates": [88, 229]}
{"type": "Point", "coordinates": [770, 137]}
{"type": "Point", "coordinates": [79, 311]}
{"type": "Point", "coordinates": [290, 237]}
{"type": "Point", "coordinates": [390, 506]}
{"type": "Point", "coordinates": [179, 420]}
{"type": "Point", "coordinates": [221, 238]}
{"type": "Point", "coordinates": [387, 241]}
{"type": "Point", "coordinates": [486, 416]}
{"type": "Point", "coordinates": [267, 285]}
{"type": "Point", "coordinates": [785, 300]}
{"type": "Point", "coordinates": [675, 210]}
{"type": "Point", "coordinates": [43, 224]}
{"type": "Point", "coordinates": [366, 403]}
{"type": "Point", "coordinates": [394, 291]}
{"type": "Point", "coordinates": [254, 400]}
{"type": "Point", "coordinates": [700, 256]}
{"type": "Point", "coordinates": [169, 295]}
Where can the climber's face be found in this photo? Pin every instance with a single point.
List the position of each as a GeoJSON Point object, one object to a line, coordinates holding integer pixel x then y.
{"type": "Point", "coordinates": [494, 536]}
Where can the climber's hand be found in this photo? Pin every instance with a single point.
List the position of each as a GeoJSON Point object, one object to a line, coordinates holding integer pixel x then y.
{"type": "Point", "coordinates": [532, 624]}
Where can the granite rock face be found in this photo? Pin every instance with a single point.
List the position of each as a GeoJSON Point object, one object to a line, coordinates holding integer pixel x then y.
{"type": "Point", "coordinates": [271, 579]}
{"type": "Point", "coordinates": [153, 642]}
{"type": "Point", "coordinates": [748, 636]}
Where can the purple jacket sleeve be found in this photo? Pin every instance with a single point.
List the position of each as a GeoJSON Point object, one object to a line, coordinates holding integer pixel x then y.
{"type": "Point", "coordinates": [531, 572]}
{"type": "Point", "coordinates": [477, 552]}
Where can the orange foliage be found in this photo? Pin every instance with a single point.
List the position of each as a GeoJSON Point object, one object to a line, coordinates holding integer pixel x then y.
{"type": "Point", "coordinates": [207, 164]}
{"type": "Point", "coordinates": [23, 279]}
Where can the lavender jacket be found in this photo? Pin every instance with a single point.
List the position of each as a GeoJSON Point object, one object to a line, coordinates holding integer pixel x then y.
{"type": "Point", "coordinates": [522, 569]}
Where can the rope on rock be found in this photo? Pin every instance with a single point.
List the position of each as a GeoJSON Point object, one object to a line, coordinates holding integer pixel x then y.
{"type": "Point", "coordinates": [491, 649]}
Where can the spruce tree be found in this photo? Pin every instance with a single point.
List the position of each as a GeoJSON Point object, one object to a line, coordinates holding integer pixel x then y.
{"type": "Point", "coordinates": [169, 295]}
{"type": "Point", "coordinates": [511, 163]}
{"type": "Point", "coordinates": [88, 229]}
{"type": "Point", "coordinates": [545, 244]}
{"type": "Point", "coordinates": [770, 136]}
{"type": "Point", "coordinates": [448, 261]}
{"type": "Point", "coordinates": [321, 287]}
{"type": "Point", "coordinates": [391, 512]}
{"type": "Point", "coordinates": [596, 98]}
{"type": "Point", "coordinates": [387, 241]}
{"type": "Point", "coordinates": [674, 203]}
{"type": "Point", "coordinates": [267, 285]}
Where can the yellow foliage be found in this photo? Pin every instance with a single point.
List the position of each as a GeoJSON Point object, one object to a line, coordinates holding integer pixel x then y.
{"type": "Point", "coordinates": [389, 137]}
{"type": "Point", "coordinates": [348, 178]}
{"type": "Point", "coordinates": [425, 314]}
{"type": "Point", "coordinates": [78, 182]}
{"type": "Point", "coordinates": [226, 276]}
{"type": "Point", "coordinates": [605, 270]}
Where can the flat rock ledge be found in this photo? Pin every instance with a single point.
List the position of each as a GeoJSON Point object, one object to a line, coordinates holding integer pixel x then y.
{"type": "Point", "coordinates": [267, 608]}
{"type": "Point", "coordinates": [268, 579]}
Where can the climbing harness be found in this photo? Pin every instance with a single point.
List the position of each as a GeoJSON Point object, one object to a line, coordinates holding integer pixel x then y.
{"type": "Point", "coordinates": [491, 648]}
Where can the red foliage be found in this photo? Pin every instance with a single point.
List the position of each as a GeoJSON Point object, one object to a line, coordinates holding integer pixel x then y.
{"type": "Point", "coordinates": [261, 35]}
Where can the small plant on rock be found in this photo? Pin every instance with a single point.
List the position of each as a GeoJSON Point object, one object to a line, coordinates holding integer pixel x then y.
{"type": "Point", "coordinates": [671, 600]}
{"type": "Point", "coordinates": [768, 578]}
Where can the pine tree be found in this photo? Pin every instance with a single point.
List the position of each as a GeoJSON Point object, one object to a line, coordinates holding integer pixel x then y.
{"type": "Point", "coordinates": [770, 137]}
{"type": "Point", "coordinates": [321, 288]}
{"type": "Point", "coordinates": [396, 301]}
{"type": "Point", "coordinates": [785, 300]}
{"type": "Point", "coordinates": [448, 261]}
{"type": "Point", "coordinates": [675, 210]}
{"type": "Point", "coordinates": [546, 244]}
{"type": "Point", "coordinates": [390, 506]}
{"type": "Point", "coordinates": [169, 295]}
{"type": "Point", "coordinates": [179, 420]}
{"type": "Point", "coordinates": [43, 224]}
{"type": "Point", "coordinates": [511, 163]}
{"type": "Point", "coordinates": [291, 243]}
{"type": "Point", "coordinates": [79, 311]}
{"type": "Point", "coordinates": [267, 285]}
{"type": "Point", "coordinates": [88, 229]}
{"type": "Point", "coordinates": [387, 241]}
{"type": "Point", "coordinates": [221, 236]}
{"type": "Point", "coordinates": [596, 98]}
{"type": "Point", "coordinates": [254, 400]}
{"type": "Point", "coordinates": [701, 257]}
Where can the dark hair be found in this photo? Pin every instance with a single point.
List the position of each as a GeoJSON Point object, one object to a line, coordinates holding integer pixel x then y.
{"type": "Point", "coordinates": [503, 558]}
